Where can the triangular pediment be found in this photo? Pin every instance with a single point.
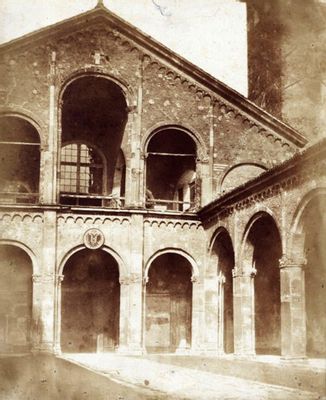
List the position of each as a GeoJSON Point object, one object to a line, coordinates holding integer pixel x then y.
{"type": "Point", "coordinates": [200, 82]}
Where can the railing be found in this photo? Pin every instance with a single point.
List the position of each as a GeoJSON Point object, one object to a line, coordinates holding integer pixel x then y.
{"type": "Point", "coordinates": [18, 198]}
{"type": "Point", "coordinates": [171, 205]}
{"type": "Point", "coordinates": [92, 200]}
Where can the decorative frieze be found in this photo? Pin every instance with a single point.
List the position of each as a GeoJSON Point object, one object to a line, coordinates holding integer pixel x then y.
{"type": "Point", "coordinates": [244, 272]}
{"type": "Point", "coordinates": [91, 220]}
{"type": "Point", "coordinates": [172, 224]}
{"type": "Point", "coordinates": [21, 217]}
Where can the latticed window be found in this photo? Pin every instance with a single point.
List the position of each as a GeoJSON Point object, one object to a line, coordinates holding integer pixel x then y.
{"type": "Point", "coordinates": [81, 170]}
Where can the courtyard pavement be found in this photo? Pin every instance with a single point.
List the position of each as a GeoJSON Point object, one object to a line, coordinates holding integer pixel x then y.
{"type": "Point", "coordinates": [183, 383]}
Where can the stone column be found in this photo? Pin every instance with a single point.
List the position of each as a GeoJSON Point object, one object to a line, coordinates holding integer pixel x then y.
{"type": "Point", "coordinates": [221, 282]}
{"type": "Point", "coordinates": [48, 185]}
{"type": "Point", "coordinates": [134, 172]}
{"type": "Point", "coordinates": [57, 316]}
{"type": "Point", "coordinates": [135, 314]}
{"type": "Point", "coordinates": [124, 314]}
{"type": "Point", "coordinates": [43, 313]}
{"type": "Point", "coordinates": [244, 311]}
{"type": "Point", "coordinates": [198, 318]}
{"type": "Point", "coordinates": [211, 314]}
{"type": "Point", "coordinates": [43, 288]}
{"type": "Point", "coordinates": [293, 321]}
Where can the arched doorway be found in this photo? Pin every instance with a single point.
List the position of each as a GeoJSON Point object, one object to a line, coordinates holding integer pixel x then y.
{"type": "Point", "coordinates": [15, 299]}
{"type": "Point", "coordinates": [90, 302]}
{"type": "Point", "coordinates": [223, 258]}
{"type": "Point", "coordinates": [263, 251]}
{"type": "Point", "coordinates": [94, 115]}
{"type": "Point", "coordinates": [314, 230]}
{"type": "Point", "coordinates": [168, 304]}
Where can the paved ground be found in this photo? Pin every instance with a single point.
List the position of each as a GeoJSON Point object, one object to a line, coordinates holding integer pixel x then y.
{"type": "Point", "coordinates": [183, 383]}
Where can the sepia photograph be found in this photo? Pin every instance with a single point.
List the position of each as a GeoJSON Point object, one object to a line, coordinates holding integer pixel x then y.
{"type": "Point", "coordinates": [163, 199]}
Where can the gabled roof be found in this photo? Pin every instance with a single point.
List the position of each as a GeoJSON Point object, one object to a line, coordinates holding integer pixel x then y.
{"type": "Point", "coordinates": [101, 13]}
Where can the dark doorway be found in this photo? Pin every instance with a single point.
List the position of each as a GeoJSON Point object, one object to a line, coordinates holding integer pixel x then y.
{"type": "Point", "coordinates": [15, 299]}
{"type": "Point", "coordinates": [168, 304]}
{"type": "Point", "coordinates": [90, 303]}
{"type": "Point", "coordinates": [314, 228]}
{"type": "Point", "coordinates": [265, 247]}
{"type": "Point", "coordinates": [223, 252]}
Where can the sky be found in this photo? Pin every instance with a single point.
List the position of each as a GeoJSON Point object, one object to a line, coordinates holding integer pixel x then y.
{"type": "Point", "coordinates": [209, 33]}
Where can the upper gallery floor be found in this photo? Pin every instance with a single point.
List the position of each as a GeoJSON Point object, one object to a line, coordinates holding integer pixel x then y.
{"type": "Point", "coordinates": [93, 113]}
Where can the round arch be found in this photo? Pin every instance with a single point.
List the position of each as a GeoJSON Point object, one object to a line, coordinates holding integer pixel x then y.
{"type": "Point", "coordinates": [296, 224]}
{"type": "Point", "coordinates": [27, 116]}
{"type": "Point", "coordinates": [91, 72]}
{"type": "Point", "coordinates": [188, 257]}
{"type": "Point", "coordinates": [27, 250]}
{"type": "Point", "coordinates": [190, 131]}
{"type": "Point", "coordinates": [218, 231]}
{"type": "Point", "coordinates": [234, 166]}
{"type": "Point", "coordinates": [259, 212]}
{"type": "Point", "coordinates": [123, 272]}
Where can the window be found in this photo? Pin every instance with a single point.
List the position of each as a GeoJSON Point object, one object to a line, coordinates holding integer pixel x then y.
{"type": "Point", "coordinates": [81, 173]}
{"type": "Point", "coordinates": [20, 161]}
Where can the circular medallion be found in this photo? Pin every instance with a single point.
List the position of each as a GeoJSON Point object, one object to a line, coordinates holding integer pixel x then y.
{"type": "Point", "coordinates": [93, 238]}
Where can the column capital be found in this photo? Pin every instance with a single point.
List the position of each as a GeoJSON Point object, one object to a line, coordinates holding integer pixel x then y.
{"type": "Point", "coordinates": [244, 272]}
{"type": "Point", "coordinates": [221, 278]}
{"type": "Point", "coordinates": [59, 279]}
{"type": "Point", "coordinates": [124, 280]}
{"type": "Point", "coordinates": [130, 279]}
{"type": "Point", "coordinates": [46, 278]}
{"type": "Point", "coordinates": [291, 262]}
{"type": "Point", "coordinates": [195, 279]}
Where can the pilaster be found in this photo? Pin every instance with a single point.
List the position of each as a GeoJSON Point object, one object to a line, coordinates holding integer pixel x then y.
{"type": "Point", "coordinates": [293, 323]}
{"type": "Point", "coordinates": [244, 311]}
{"type": "Point", "coordinates": [198, 316]}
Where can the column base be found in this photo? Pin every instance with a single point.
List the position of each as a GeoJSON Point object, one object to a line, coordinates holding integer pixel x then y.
{"type": "Point", "coordinates": [130, 350]}
{"type": "Point", "coordinates": [45, 347]}
{"type": "Point", "coordinates": [245, 356]}
{"type": "Point", "coordinates": [294, 357]}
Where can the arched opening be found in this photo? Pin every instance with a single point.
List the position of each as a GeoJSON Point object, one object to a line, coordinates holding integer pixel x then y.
{"type": "Point", "coordinates": [314, 229]}
{"type": "Point", "coordinates": [168, 304]}
{"type": "Point", "coordinates": [263, 252]}
{"type": "Point", "coordinates": [90, 302]}
{"type": "Point", "coordinates": [240, 174]}
{"type": "Point", "coordinates": [171, 171]}
{"type": "Point", "coordinates": [94, 115]}
{"type": "Point", "coordinates": [20, 161]}
{"type": "Point", "coordinates": [15, 299]}
{"type": "Point", "coordinates": [223, 257]}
